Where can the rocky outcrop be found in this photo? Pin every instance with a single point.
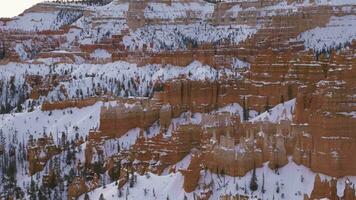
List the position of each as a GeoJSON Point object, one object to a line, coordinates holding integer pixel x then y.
{"type": "Point", "coordinates": [41, 86]}
{"type": "Point", "coordinates": [192, 174]}
{"type": "Point", "coordinates": [117, 120]}
{"type": "Point", "coordinates": [328, 189]}
{"type": "Point", "coordinates": [236, 153]}
{"type": "Point", "coordinates": [324, 189]}
{"type": "Point", "coordinates": [79, 186]}
{"type": "Point", "coordinates": [39, 152]}
{"type": "Point", "coordinates": [60, 105]}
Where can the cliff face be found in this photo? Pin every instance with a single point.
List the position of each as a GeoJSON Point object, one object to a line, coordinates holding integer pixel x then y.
{"type": "Point", "coordinates": [329, 121]}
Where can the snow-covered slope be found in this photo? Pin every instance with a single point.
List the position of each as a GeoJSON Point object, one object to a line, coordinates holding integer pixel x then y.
{"type": "Point", "coordinates": [133, 80]}
{"type": "Point", "coordinates": [72, 122]}
{"type": "Point", "coordinates": [178, 10]}
{"type": "Point", "coordinates": [338, 32]}
{"type": "Point", "coordinates": [282, 111]}
{"type": "Point", "coordinates": [173, 37]}
{"type": "Point", "coordinates": [235, 108]}
{"type": "Point", "coordinates": [289, 182]}
{"type": "Point", "coordinates": [46, 17]}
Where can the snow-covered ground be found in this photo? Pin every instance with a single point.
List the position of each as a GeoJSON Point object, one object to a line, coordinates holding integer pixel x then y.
{"type": "Point", "coordinates": [100, 54]}
{"type": "Point", "coordinates": [32, 22]}
{"type": "Point", "coordinates": [236, 108]}
{"type": "Point", "coordinates": [71, 121]}
{"type": "Point", "coordinates": [285, 8]}
{"type": "Point", "coordinates": [118, 78]}
{"type": "Point", "coordinates": [239, 64]}
{"type": "Point", "coordinates": [282, 111]}
{"type": "Point", "coordinates": [178, 10]}
{"type": "Point", "coordinates": [157, 187]}
{"type": "Point", "coordinates": [133, 80]}
{"type": "Point", "coordinates": [335, 34]}
{"type": "Point", "coordinates": [351, 114]}
{"type": "Point", "coordinates": [291, 181]}
{"type": "Point", "coordinates": [234, 11]}
{"type": "Point", "coordinates": [42, 20]}
{"type": "Point", "coordinates": [173, 37]}
{"type": "Point", "coordinates": [102, 23]}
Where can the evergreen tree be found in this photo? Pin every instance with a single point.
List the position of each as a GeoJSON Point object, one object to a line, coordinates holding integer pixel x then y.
{"type": "Point", "coordinates": [267, 107]}
{"type": "Point", "coordinates": [33, 190]}
{"type": "Point", "coordinates": [119, 191]}
{"type": "Point", "coordinates": [263, 183]}
{"type": "Point", "coordinates": [41, 195]}
{"type": "Point", "coordinates": [132, 179]}
{"type": "Point", "coordinates": [277, 188]}
{"type": "Point", "coordinates": [245, 110]}
{"type": "Point", "coordinates": [86, 196]}
{"type": "Point", "coordinates": [101, 197]}
{"type": "Point", "coordinates": [253, 183]}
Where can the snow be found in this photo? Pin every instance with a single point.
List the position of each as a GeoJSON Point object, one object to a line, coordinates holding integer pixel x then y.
{"type": "Point", "coordinates": [335, 2]}
{"type": "Point", "coordinates": [32, 22]}
{"type": "Point", "coordinates": [103, 29]}
{"type": "Point", "coordinates": [100, 54]}
{"type": "Point", "coordinates": [336, 33]}
{"type": "Point", "coordinates": [173, 37]}
{"type": "Point", "coordinates": [235, 108]}
{"type": "Point", "coordinates": [234, 11]}
{"type": "Point", "coordinates": [184, 163]}
{"type": "Point", "coordinates": [109, 146]}
{"type": "Point", "coordinates": [286, 8]}
{"type": "Point", "coordinates": [125, 72]}
{"type": "Point", "coordinates": [102, 23]}
{"type": "Point", "coordinates": [237, 63]}
{"type": "Point", "coordinates": [282, 111]}
{"type": "Point", "coordinates": [178, 10]}
{"type": "Point", "coordinates": [69, 121]}
{"type": "Point", "coordinates": [351, 114]}
{"type": "Point", "coordinates": [293, 181]}
{"type": "Point", "coordinates": [184, 118]}
{"type": "Point", "coordinates": [44, 16]}
{"type": "Point", "coordinates": [162, 186]}
{"type": "Point", "coordinates": [19, 48]}
{"type": "Point", "coordinates": [106, 74]}
{"type": "Point", "coordinates": [114, 9]}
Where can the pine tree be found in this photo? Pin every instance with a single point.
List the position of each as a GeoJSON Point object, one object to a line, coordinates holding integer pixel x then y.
{"type": "Point", "coordinates": [119, 191]}
{"type": "Point", "coordinates": [132, 180]}
{"type": "Point", "coordinates": [267, 107]}
{"type": "Point", "coordinates": [277, 188]}
{"type": "Point", "coordinates": [103, 181]}
{"type": "Point", "coordinates": [41, 195]}
{"type": "Point", "coordinates": [101, 197]}
{"type": "Point", "coordinates": [33, 190]}
{"type": "Point", "coordinates": [263, 183]}
{"type": "Point", "coordinates": [2, 50]}
{"type": "Point", "coordinates": [253, 183]}
{"type": "Point", "coordinates": [245, 110]}
{"type": "Point", "coordinates": [86, 196]}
